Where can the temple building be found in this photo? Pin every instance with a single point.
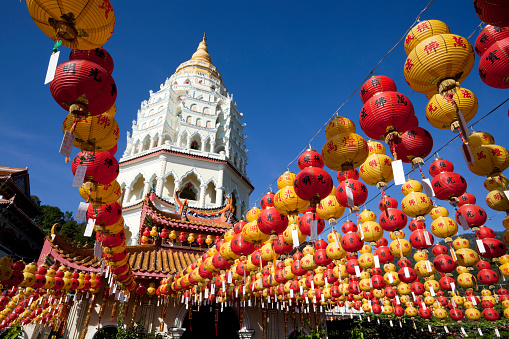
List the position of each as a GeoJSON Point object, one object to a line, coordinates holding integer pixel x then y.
{"type": "Point", "coordinates": [20, 236]}
{"type": "Point", "coordinates": [187, 137]}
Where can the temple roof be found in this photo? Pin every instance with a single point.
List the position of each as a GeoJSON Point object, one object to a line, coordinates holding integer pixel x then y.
{"type": "Point", "coordinates": [145, 260]}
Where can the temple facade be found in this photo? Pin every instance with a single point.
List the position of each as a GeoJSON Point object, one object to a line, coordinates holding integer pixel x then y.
{"type": "Point", "coordinates": [188, 137]}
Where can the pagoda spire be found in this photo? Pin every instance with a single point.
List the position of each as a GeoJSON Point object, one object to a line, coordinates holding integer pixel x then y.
{"type": "Point", "coordinates": [202, 51]}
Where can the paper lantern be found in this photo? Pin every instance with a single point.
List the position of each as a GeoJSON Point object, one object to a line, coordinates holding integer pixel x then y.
{"type": "Point", "coordinates": [285, 179]}
{"type": "Point", "coordinates": [358, 190]}
{"type": "Point", "coordinates": [448, 185]}
{"type": "Point", "coordinates": [444, 227]}
{"type": "Point", "coordinates": [474, 215]}
{"type": "Point", "coordinates": [97, 133]}
{"type": "Point", "coordinates": [271, 222]}
{"type": "Point", "coordinates": [422, 31]}
{"type": "Point", "coordinates": [440, 110]}
{"type": "Point", "coordinates": [413, 145]}
{"type": "Point", "coordinates": [387, 202]}
{"type": "Point", "coordinates": [497, 200]}
{"type": "Point", "coordinates": [330, 209]}
{"type": "Point", "coordinates": [97, 55]}
{"type": "Point", "coordinates": [339, 125]}
{"type": "Point", "coordinates": [374, 147]}
{"type": "Point", "coordinates": [351, 242]}
{"type": "Point", "coordinates": [105, 214]}
{"type": "Point", "coordinates": [392, 219]}
{"type": "Point", "coordinates": [372, 231]}
{"type": "Point", "coordinates": [348, 174]}
{"type": "Point", "coordinates": [101, 193]}
{"type": "Point", "coordinates": [313, 184]}
{"type": "Point", "coordinates": [440, 57]}
{"type": "Point", "coordinates": [376, 84]}
{"type": "Point", "coordinates": [466, 198]}
{"type": "Point", "coordinates": [310, 158]}
{"type": "Point", "coordinates": [494, 65]}
{"type": "Point", "coordinates": [384, 113]}
{"type": "Point", "coordinates": [377, 170]}
{"type": "Point", "coordinates": [287, 202]}
{"type": "Point", "coordinates": [101, 167]}
{"type": "Point", "coordinates": [489, 159]}
{"type": "Point", "coordinates": [440, 165]}
{"type": "Point", "coordinates": [416, 205]}
{"type": "Point", "coordinates": [78, 24]}
{"type": "Point", "coordinates": [306, 221]}
{"type": "Point", "coordinates": [252, 233]}
{"type": "Point", "coordinates": [421, 239]}
{"type": "Point", "coordinates": [344, 151]}
{"type": "Point", "coordinates": [493, 12]}
{"type": "Point", "coordinates": [83, 87]}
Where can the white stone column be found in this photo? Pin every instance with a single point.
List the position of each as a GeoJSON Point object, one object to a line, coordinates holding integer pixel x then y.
{"type": "Point", "coordinates": [212, 145]}
{"type": "Point", "coordinates": [146, 188]}
{"type": "Point", "coordinates": [140, 147]}
{"type": "Point", "coordinates": [159, 187]}
{"type": "Point", "coordinates": [188, 142]}
{"type": "Point", "coordinates": [126, 195]}
{"type": "Point", "coordinates": [160, 141]}
{"type": "Point", "coordinates": [152, 142]}
{"type": "Point", "coordinates": [203, 187]}
{"type": "Point", "coordinates": [219, 196]}
{"type": "Point", "coordinates": [133, 149]}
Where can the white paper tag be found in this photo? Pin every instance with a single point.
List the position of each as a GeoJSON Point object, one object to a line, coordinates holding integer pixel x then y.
{"type": "Point", "coordinates": [336, 239]}
{"type": "Point", "coordinates": [301, 290]}
{"type": "Point", "coordinates": [370, 283]}
{"type": "Point", "coordinates": [224, 285]}
{"type": "Point", "coordinates": [79, 176]}
{"type": "Point", "coordinates": [295, 238]}
{"type": "Point", "coordinates": [313, 234]}
{"type": "Point", "coordinates": [82, 212]}
{"type": "Point", "coordinates": [397, 300]}
{"type": "Point", "coordinates": [399, 173]}
{"type": "Point", "coordinates": [406, 271]}
{"type": "Point", "coordinates": [390, 277]}
{"type": "Point", "coordinates": [428, 266]}
{"type": "Point", "coordinates": [474, 301]}
{"type": "Point", "coordinates": [446, 329]}
{"type": "Point", "coordinates": [463, 222]}
{"type": "Point", "coordinates": [229, 277]}
{"type": "Point", "coordinates": [390, 322]}
{"type": "Point", "coordinates": [480, 245]}
{"type": "Point", "coordinates": [428, 189]}
{"type": "Point", "coordinates": [429, 328]}
{"type": "Point", "coordinates": [66, 146]}
{"type": "Point", "coordinates": [426, 238]}
{"type": "Point", "coordinates": [89, 228]}
{"type": "Point", "coordinates": [358, 271]}
{"type": "Point", "coordinates": [243, 290]}
{"type": "Point", "coordinates": [326, 282]}
{"type": "Point", "coordinates": [453, 287]}
{"type": "Point", "coordinates": [101, 270]}
{"type": "Point", "coordinates": [52, 67]}
{"type": "Point", "coordinates": [98, 251]}
{"type": "Point", "coordinates": [506, 192]}
{"type": "Point", "coordinates": [463, 331]}
{"type": "Point", "coordinates": [377, 262]}
{"type": "Point", "coordinates": [291, 293]}
{"type": "Point", "coordinates": [413, 295]}
{"type": "Point", "coordinates": [463, 125]}
{"type": "Point", "coordinates": [323, 298]}
{"type": "Point", "coordinates": [497, 333]}
{"type": "Point", "coordinates": [349, 196]}
{"type": "Point", "coordinates": [480, 332]}
{"type": "Point", "coordinates": [361, 232]}
{"type": "Point", "coordinates": [312, 284]}
{"type": "Point", "coordinates": [432, 291]}
{"type": "Point", "coordinates": [206, 293]}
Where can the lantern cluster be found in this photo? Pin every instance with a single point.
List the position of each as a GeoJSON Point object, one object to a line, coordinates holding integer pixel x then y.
{"type": "Point", "coordinates": [492, 46]}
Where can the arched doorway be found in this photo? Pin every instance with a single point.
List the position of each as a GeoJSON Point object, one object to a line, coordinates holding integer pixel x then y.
{"type": "Point", "coordinates": [203, 324]}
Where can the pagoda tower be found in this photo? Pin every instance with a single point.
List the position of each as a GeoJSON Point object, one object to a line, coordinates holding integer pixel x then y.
{"type": "Point", "coordinates": [187, 143]}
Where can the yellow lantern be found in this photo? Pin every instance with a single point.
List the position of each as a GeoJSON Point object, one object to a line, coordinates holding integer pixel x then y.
{"type": "Point", "coordinates": [440, 313]}
{"type": "Point", "coordinates": [375, 147]}
{"type": "Point", "coordinates": [441, 112]}
{"type": "Point", "coordinates": [333, 236]}
{"type": "Point", "coordinates": [404, 289]}
{"type": "Point", "coordinates": [252, 214]}
{"type": "Point", "coordinates": [397, 235]}
{"type": "Point", "coordinates": [367, 260]}
{"type": "Point", "coordinates": [495, 181]}
{"type": "Point", "coordinates": [330, 209]}
{"type": "Point", "coordinates": [438, 211]}
{"type": "Point", "coordinates": [416, 205]}
{"type": "Point", "coordinates": [287, 234]}
{"type": "Point", "coordinates": [377, 170]}
{"type": "Point", "coordinates": [411, 311]}
{"type": "Point", "coordinates": [94, 133]}
{"type": "Point", "coordinates": [442, 56]}
{"type": "Point", "coordinates": [335, 251]}
{"type": "Point", "coordinates": [444, 227]}
{"type": "Point", "coordinates": [226, 251]}
{"type": "Point", "coordinates": [465, 280]}
{"type": "Point", "coordinates": [339, 125]}
{"type": "Point", "coordinates": [286, 201]}
{"type": "Point", "coordinates": [497, 200]}
{"type": "Point", "coordinates": [422, 31]}
{"type": "Point", "coordinates": [460, 242]}
{"type": "Point", "coordinates": [432, 284]}
{"type": "Point", "coordinates": [228, 236]}
{"type": "Point", "coordinates": [285, 179]}
{"type": "Point", "coordinates": [400, 247]}
{"type": "Point", "coordinates": [472, 314]}
{"type": "Point", "coordinates": [367, 215]}
{"type": "Point", "coordinates": [208, 239]}
{"type": "Point", "coordinates": [308, 262]}
{"type": "Point", "coordinates": [267, 252]}
{"type": "Point", "coordinates": [476, 139]}
{"type": "Point", "coordinates": [466, 257]}
{"type": "Point", "coordinates": [100, 193]}
{"type": "Point", "coordinates": [489, 159]}
{"type": "Point", "coordinates": [424, 268]}
{"type": "Point", "coordinates": [251, 233]}
{"type": "Point", "coordinates": [344, 151]}
{"type": "Point", "coordinates": [372, 231]}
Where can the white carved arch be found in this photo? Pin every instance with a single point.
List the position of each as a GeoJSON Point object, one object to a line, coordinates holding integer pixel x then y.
{"type": "Point", "coordinates": [211, 180]}
{"type": "Point", "coordinates": [192, 170]}
{"type": "Point", "coordinates": [140, 174]}
{"type": "Point", "coordinates": [169, 174]}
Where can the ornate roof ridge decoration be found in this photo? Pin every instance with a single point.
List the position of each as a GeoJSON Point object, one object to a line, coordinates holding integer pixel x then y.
{"type": "Point", "coordinates": [228, 207]}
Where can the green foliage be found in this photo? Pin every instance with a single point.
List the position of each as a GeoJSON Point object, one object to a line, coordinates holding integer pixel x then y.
{"type": "Point", "coordinates": [14, 332]}
{"type": "Point", "coordinates": [68, 226]}
{"type": "Point", "coordinates": [137, 331]}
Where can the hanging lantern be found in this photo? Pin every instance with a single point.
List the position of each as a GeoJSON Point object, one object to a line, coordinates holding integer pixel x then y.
{"type": "Point", "coordinates": [413, 145]}
{"type": "Point", "coordinates": [97, 55]}
{"type": "Point", "coordinates": [440, 110]}
{"type": "Point", "coordinates": [98, 133]}
{"type": "Point", "coordinates": [422, 31]}
{"type": "Point", "coordinates": [392, 219]}
{"type": "Point", "coordinates": [494, 65]}
{"type": "Point", "coordinates": [437, 58]}
{"type": "Point", "coordinates": [497, 200]}
{"type": "Point", "coordinates": [310, 158]}
{"type": "Point", "coordinates": [313, 184]}
{"type": "Point", "coordinates": [305, 222]}
{"type": "Point", "coordinates": [387, 202]}
{"type": "Point", "coordinates": [376, 84]}
{"type": "Point", "coordinates": [448, 185]}
{"type": "Point", "coordinates": [474, 215]}
{"type": "Point", "coordinates": [415, 203]}
{"type": "Point", "coordinates": [489, 159]}
{"type": "Point", "coordinates": [252, 233]}
{"type": "Point", "coordinates": [377, 170]}
{"type": "Point", "coordinates": [371, 231]}
{"type": "Point", "coordinates": [344, 151]}
{"type": "Point", "coordinates": [101, 194]}
{"type": "Point", "coordinates": [83, 88]}
{"type": "Point", "coordinates": [493, 12]}
{"type": "Point", "coordinates": [102, 167]}
{"type": "Point", "coordinates": [444, 227]}
{"type": "Point", "coordinates": [286, 201]}
{"type": "Point", "coordinates": [421, 239]}
{"type": "Point", "coordinates": [329, 208]}
{"type": "Point", "coordinates": [359, 193]}
{"type": "Point", "coordinates": [105, 214]}
{"type": "Point", "coordinates": [78, 24]}
{"type": "Point", "coordinates": [271, 222]}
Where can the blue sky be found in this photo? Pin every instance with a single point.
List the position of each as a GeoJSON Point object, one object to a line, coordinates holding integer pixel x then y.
{"type": "Point", "coordinates": [289, 65]}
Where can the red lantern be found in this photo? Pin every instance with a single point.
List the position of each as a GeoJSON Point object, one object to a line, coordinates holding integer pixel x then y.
{"type": "Point", "coordinates": [444, 263]}
{"type": "Point", "coordinates": [221, 263]}
{"type": "Point", "coordinates": [113, 240]}
{"type": "Point", "coordinates": [359, 193]}
{"type": "Point", "coordinates": [348, 226]}
{"type": "Point", "coordinates": [297, 268]}
{"type": "Point", "coordinates": [310, 158]}
{"type": "Point", "coordinates": [445, 283]}
{"type": "Point", "coordinates": [241, 247]}
{"type": "Point", "coordinates": [385, 112]}
{"type": "Point", "coordinates": [83, 87]}
{"type": "Point", "coordinates": [407, 275]}
{"type": "Point", "coordinates": [141, 290]}
{"type": "Point", "coordinates": [271, 222]}
{"type": "Point", "coordinates": [313, 184]}
{"type": "Point", "coordinates": [415, 224]}
{"type": "Point", "coordinates": [267, 200]}
{"type": "Point", "coordinates": [387, 202]}
{"type": "Point", "coordinates": [493, 12]}
{"type": "Point", "coordinates": [307, 218]}
{"type": "Point", "coordinates": [349, 174]}
{"type": "Point", "coordinates": [101, 167]}
{"type": "Point", "coordinates": [238, 226]}
{"type": "Point", "coordinates": [384, 254]}
{"type": "Point", "coordinates": [484, 232]}
{"type": "Point", "coordinates": [448, 185]}
{"type": "Point", "coordinates": [494, 65]}
{"type": "Point", "coordinates": [474, 215]}
{"type": "Point", "coordinates": [417, 287]}
{"type": "Point", "coordinates": [321, 258]}
{"type": "Point", "coordinates": [392, 219]}
{"type": "Point", "coordinates": [488, 36]}
{"type": "Point", "coordinates": [466, 198]}
{"type": "Point", "coordinates": [440, 165]}
{"type": "Point", "coordinates": [421, 239]}
{"type": "Point", "coordinates": [490, 314]}
{"type": "Point", "coordinates": [98, 56]}
{"type": "Point", "coordinates": [487, 277]}
{"type": "Point", "coordinates": [280, 246]}
{"type": "Point", "coordinates": [351, 242]}
{"type": "Point", "coordinates": [376, 84]}
{"type": "Point", "coordinates": [105, 214]}
{"type": "Point", "coordinates": [494, 248]}
{"type": "Point", "coordinates": [413, 143]}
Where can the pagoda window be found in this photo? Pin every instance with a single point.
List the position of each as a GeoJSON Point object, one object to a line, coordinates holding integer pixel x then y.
{"type": "Point", "coordinates": [208, 124]}
{"type": "Point", "coordinates": [194, 107]}
{"type": "Point", "coordinates": [137, 191]}
{"type": "Point", "coordinates": [207, 146]}
{"type": "Point", "coordinates": [206, 110]}
{"type": "Point", "coordinates": [210, 194]}
{"type": "Point", "coordinates": [195, 145]}
{"type": "Point", "coordinates": [160, 119]}
{"type": "Point", "coordinates": [198, 122]}
{"type": "Point", "coordinates": [188, 192]}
